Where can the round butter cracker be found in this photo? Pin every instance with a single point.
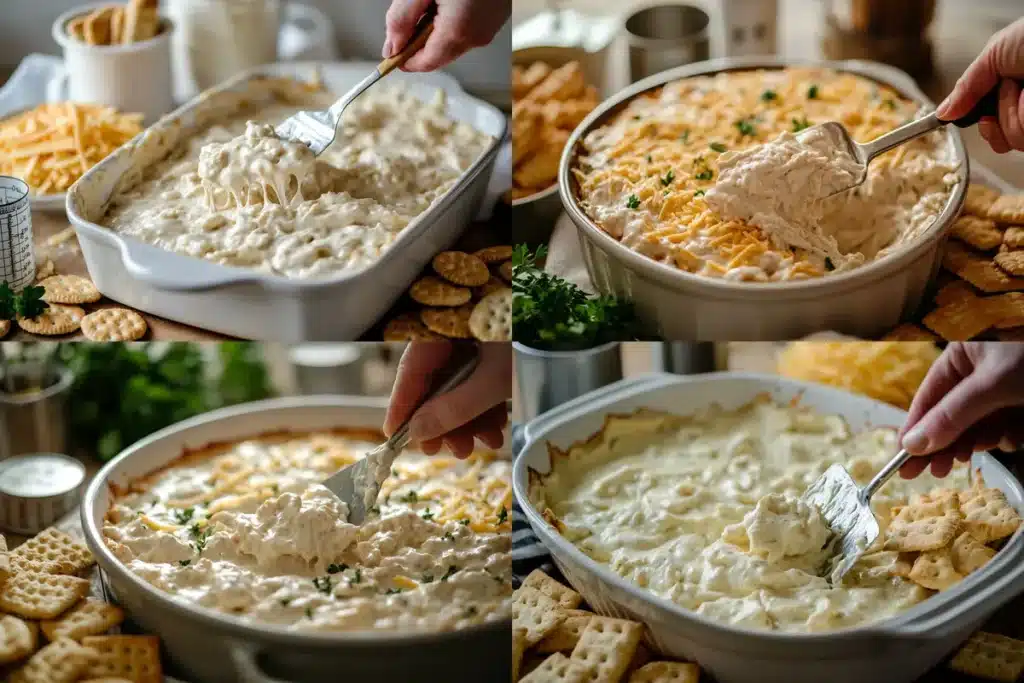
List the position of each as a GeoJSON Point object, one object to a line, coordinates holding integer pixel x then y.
{"type": "Point", "coordinates": [494, 254]}
{"type": "Point", "coordinates": [55, 320]}
{"type": "Point", "coordinates": [461, 268]}
{"type": "Point", "coordinates": [433, 291]}
{"type": "Point", "coordinates": [449, 322]}
{"type": "Point", "coordinates": [5, 327]}
{"type": "Point", "coordinates": [506, 271]}
{"type": "Point", "coordinates": [407, 327]}
{"type": "Point", "coordinates": [491, 319]}
{"type": "Point", "coordinates": [114, 324]}
{"type": "Point", "coordinates": [69, 289]}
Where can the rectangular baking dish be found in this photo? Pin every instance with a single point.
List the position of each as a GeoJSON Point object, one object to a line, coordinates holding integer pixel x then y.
{"type": "Point", "coordinates": [249, 304]}
{"type": "Point", "coordinates": [896, 650]}
{"type": "Point", "coordinates": [675, 305]}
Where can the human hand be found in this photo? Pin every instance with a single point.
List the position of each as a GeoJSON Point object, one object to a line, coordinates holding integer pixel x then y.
{"type": "Point", "coordinates": [474, 409]}
{"type": "Point", "coordinates": [1000, 63]}
{"type": "Point", "coordinates": [971, 400]}
{"type": "Point", "coordinates": [460, 25]}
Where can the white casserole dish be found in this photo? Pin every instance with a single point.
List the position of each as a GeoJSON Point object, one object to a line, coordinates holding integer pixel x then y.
{"type": "Point", "coordinates": [896, 650]}
{"type": "Point", "coordinates": [246, 303]}
{"type": "Point", "coordinates": [207, 646]}
{"type": "Point", "coordinates": [676, 305]}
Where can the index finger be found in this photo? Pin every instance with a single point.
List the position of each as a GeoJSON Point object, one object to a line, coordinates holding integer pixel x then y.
{"type": "Point", "coordinates": [419, 361]}
{"type": "Point", "coordinates": [939, 381]}
{"type": "Point", "coordinates": [980, 77]}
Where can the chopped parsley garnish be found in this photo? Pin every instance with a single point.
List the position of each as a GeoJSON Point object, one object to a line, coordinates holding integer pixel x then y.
{"type": "Point", "coordinates": [428, 578]}
{"type": "Point", "coordinates": [183, 517]}
{"type": "Point", "coordinates": [276, 488]}
{"type": "Point", "coordinates": [335, 568]}
{"type": "Point", "coordinates": [184, 563]}
{"type": "Point", "coordinates": [718, 147]}
{"type": "Point", "coordinates": [375, 510]}
{"type": "Point", "coordinates": [323, 584]}
{"type": "Point", "coordinates": [394, 472]}
{"type": "Point", "coordinates": [410, 497]}
{"type": "Point", "coordinates": [769, 95]}
{"type": "Point", "coordinates": [699, 193]}
{"type": "Point", "coordinates": [667, 180]}
{"type": "Point", "coordinates": [392, 591]}
{"type": "Point", "coordinates": [636, 117]}
{"type": "Point", "coordinates": [502, 515]}
{"type": "Point", "coordinates": [200, 535]}
{"type": "Point", "coordinates": [309, 612]}
{"type": "Point", "coordinates": [633, 202]}
{"type": "Point", "coordinates": [470, 611]}
{"type": "Point", "coordinates": [451, 572]}
{"type": "Point", "coordinates": [745, 127]}
{"type": "Point", "coordinates": [685, 137]}
{"type": "Point", "coordinates": [358, 576]}
{"type": "Point", "coordinates": [285, 602]}
{"type": "Point", "coordinates": [448, 536]}
{"type": "Point", "coordinates": [889, 102]}
{"type": "Point", "coordinates": [27, 304]}
{"type": "Point", "coordinates": [828, 264]}
{"type": "Point", "coordinates": [464, 522]}
{"type": "Point", "coordinates": [800, 124]}
{"type": "Point", "coordinates": [649, 158]}
{"type": "Point", "coordinates": [427, 515]}
{"type": "Point", "coordinates": [497, 578]}
{"type": "Point", "coordinates": [706, 174]}
{"type": "Point", "coordinates": [812, 92]}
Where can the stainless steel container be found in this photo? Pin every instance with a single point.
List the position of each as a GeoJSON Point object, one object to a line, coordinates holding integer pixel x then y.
{"type": "Point", "coordinates": [37, 490]}
{"type": "Point", "coordinates": [328, 368]}
{"type": "Point", "coordinates": [33, 419]}
{"type": "Point", "coordinates": [661, 37]}
{"type": "Point", "coordinates": [549, 378]}
{"type": "Point", "coordinates": [686, 358]}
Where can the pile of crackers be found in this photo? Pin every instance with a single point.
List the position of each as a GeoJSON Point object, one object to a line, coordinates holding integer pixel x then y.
{"type": "Point", "coordinates": [549, 104]}
{"type": "Point", "coordinates": [117, 24]}
{"type": "Point", "coordinates": [947, 534]}
{"type": "Point", "coordinates": [554, 641]}
{"type": "Point", "coordinates": [51, 632]}
{"type": "Point", "coordinates": [982, 289]}
{"type": "Point", "coordinates": [467, 296]}
{"type": "Point", "coordinates": [63, 293]}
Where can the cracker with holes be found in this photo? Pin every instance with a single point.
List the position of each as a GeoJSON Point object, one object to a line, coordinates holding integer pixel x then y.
{"type": "Point", "coordinates": [448, 322]}
{"type": "Point", "coordinates": [924, 526]}
{"type": "Point", "coordinates": [518, 648]}
{"type": "Point", "coordinates": [62, 661]}
{"type": "Point", "coordinates": [69, 289]}
{"type": "Point", "coordinates": [987, 515]}
{"type": "Point", "coordinates": [52, 551]}
{"type": "Point", "coordinates": [408, 327]}
{"type": "Point", "coordinates": [969, 554]}
{"type": "Point", "coordinates": [980, 233]}
{"type": "Point", "coordinates": [461, 268]}
{"type": "Point", "coordinates": [565, 636]}
{"type": "Point", "coordinates": [42, 596]}
{"type": "Point", "coordinates": [933, 569]}
{"type": "Point", "coordinates": [666, 672]}
{"type": "Point", "coordinates": [56, 320]}
{"type": "Point", "coordinates": [535, 612]}
{"type": "Point", "coordinates": [903, 564]}
{"type": "Point", "coordinates": [18, 639]}
{"type": "Point", "coordinates": [1011, 261]}
{"type": "Point", "coordinates": [607, 647]}
{"type": "Point", "coordinates": [979, 199]}
{"type": "Point", "coordinates": [959, 320]}
{"type": "Point", "coordinates": [491, 318]}
{"type": "Point", "coordinates": [114, 324]}
{"type": "Point", "coordinates": [136, 657]}
{"type": "Point", "coordinates": [563, 595]}
{"type": "Point", "coordinates": [90, 617]}
{"type": "Point", "coordinates": [1013, 238]}
{"type": "Point", "coordinates": [979, 270]}
{"type": "Point", "coordinates": [558, 669]}
{"type": "Point", "coordinates": [1009, 208]}
{"type": "Point", "coordinates": [433, 291]}
{"type": "Point", "coordinates": [990, 656]}
{"type": "Point", "coordinates": [495, 254]}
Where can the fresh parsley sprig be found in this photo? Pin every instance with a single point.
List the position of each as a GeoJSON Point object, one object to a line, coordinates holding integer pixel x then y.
{"type": "Point", "coordinates": [550, 313]}
{"type": "Point", "coordinates": [25, 304]}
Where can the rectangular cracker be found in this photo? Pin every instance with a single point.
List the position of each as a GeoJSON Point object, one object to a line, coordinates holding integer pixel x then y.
{"type": "Point", "coordinates": [969, 554]}
{"type": "Point", "coordinates": [978, 200]}
{"type": "Point", "coordinates": [990, 656]}
{"type": "Point", "coordinates": [979, 270]}
{"type": "Point", "coordinates": [910, 332]}
{"type": "Point", "coordinates": [987, 515]}
{"type": "Point", "coordinates": [62, 661]}
{"type": "Point", "coordinates": [518, 648]}
{"type": "Point", "coordinates": [565, 636]}
{"type": "Point", "coordinates": [902, 565]}
{"type": "Point", "coordinates": [607, 646]}
{"type": "Point", "coordinates": [135, 657]}
{"type": "Point", "coordinates": [957, 290]}
{"type": "Point", "coordinates": [667, 672]}
{"type": "Point", "coordinates": [18, 639]}
{"type": "Point", "coordinates": [959, 320]}
{"type": "Point", "coordinates": [1009, 208]}
{"type": "Point", "coordinates": [980, 233]}
{"type": "Point", "coordinates": [42, 596]}
{"type": "Point", "coordinates": [925, 525]}
{"type": "Point", "coordinates": [1006, 309]}
{"type": "Point", "coordinates": [90, 617]}
{"type": "Point", "coordinates": [558, 669]}
{"type": "Point", "coordinates": [535, 612]}
{"type": "Point", "coordinates": [566, 597]}
{"type": "Point", "coordinates": [934, 570]}
{"type": "Point", "coordinates": [52, 551]}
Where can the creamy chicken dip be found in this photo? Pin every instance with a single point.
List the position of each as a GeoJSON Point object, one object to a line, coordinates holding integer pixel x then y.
{"type": "Point", "coordinates": [705, 511]}
{"type": "Point", "coordinates": [711, 175]}
{"type": "Point", "coordinates": [247, 529]}
{"type": "Point", "coordinates": [237, 195]}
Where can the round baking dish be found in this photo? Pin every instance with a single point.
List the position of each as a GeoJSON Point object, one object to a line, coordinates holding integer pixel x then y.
{"type": "Point", "coordinates": [895, 650]}
{"type": "Point", "coordinates": [208, 646]}
{"type": "Point", "coordinates": [676, 305]}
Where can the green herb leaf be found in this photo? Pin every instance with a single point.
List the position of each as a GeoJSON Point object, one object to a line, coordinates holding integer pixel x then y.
{"type": "Point", "coordinates": [184, 563]}
{"type": "Point", "coordinates": [309, 612]}
{"type": "Point", "coordinates": [285, 601]}
{"type": "Point", "coordinates": [800, 124]}
{"type": "Point", "coordinates": [8, 302]}
{"type": "Point", "coordinates": [769, 95]}
{"type": "Point", "coordinates": [812, 92]}
{"type": "Point", "coordinates": [464, 522]}
{"type": "Point", "coordinates": [745, 127]}
{"type": "Point", "coordinates": [502, 515]}
{"type": "Point", "coordinates": [428, 578]}
{"type": "Point", "coordinates": [667, 180]}
{"type": "Point", "coordinates": [392, 591]}
{"type": "Point", "coordinates": [718, 147]}
{"type": "Point", "coordinates": [358, 576]}
{"type": "Point", "coordinates": [685, 137]}
{"type": "Point", "coordinates": [323, 584]}
{"type": "Point", "coordinates": [427, 515]}
{"type": "Point", "coordinates": [633, 202]}
{"type": "Point", "coordinates": [335, 568]}
{"type": "Point", "coordinates": [449, 536]}
{"type": "Point", "coordinates": [452, 569]}
{"type": "Point", "coordinates": [411, 497]}
{"type": "Point", "coordinates": [706, 174]}
{"type": "Point", "coordinates": [649, 159]}
{"type": "Point", "coordinates": [29, 303]}
{"type": "Point", "coordinates": [699, 193]}
{"type": "Point", "coordinates": [890, 103]}
{"type": "Point", "coordinates": [828, 264]}
{"type": "Point", "coordinates": [183, 517]}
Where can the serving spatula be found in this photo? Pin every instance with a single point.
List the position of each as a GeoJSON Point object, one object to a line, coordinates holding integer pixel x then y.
{"type": "Point", "coordinates": [864, 153]}
{"type": "Point", "coordinates": [358, 485]}
{"type": "Point", "coordinates": [847, 509]}
{"type": "Point", "coordinates": [317, 129]}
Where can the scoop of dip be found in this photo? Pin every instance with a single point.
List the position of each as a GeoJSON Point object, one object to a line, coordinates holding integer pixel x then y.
{"type": "Point", "coordinates": [780, 526]}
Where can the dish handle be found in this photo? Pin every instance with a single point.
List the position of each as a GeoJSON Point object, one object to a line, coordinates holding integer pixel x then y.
{"type": "Point", "coordinates": [171, 272]}
{"type": "Point", "coordinates": [247, 668]}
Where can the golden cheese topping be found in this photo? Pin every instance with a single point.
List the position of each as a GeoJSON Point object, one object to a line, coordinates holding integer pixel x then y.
{"type": "Point", "coordinates": [650, 177]}
{"type": "Point", "coordinates": [247, 529]}
{"type": "Point", "coordinates": [705, 511]}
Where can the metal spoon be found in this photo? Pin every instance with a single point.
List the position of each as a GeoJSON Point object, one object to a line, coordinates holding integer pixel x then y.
{"type": "Point", "coordinates": [864, 153]}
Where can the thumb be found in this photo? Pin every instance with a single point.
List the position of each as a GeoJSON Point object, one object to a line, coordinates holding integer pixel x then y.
{"type": "Point", "coordinates": [400, 22]}
{"type": "Point", "coordinates": [1003, 57]}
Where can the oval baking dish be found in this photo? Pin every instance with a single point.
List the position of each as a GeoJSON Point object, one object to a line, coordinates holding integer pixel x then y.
{"type": "Point", "coordinates": [866, 301]}
{"type": "Point", "coordinates": [208, 646]}
{"type": "Point", "coordinates": [245, 302]}
{"type": "Point", "coordinates": [895, 650]}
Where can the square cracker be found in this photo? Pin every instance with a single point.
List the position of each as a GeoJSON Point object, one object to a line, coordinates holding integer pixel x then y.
{"type": "Point", "coordinates": [518, 648]}
{"type": "Point", "coordinates": [52, 551]}
{"type": "Point", "coordinates": [980, 233]}
{"type": "Point", "coordinates": [607, 646]}
{"type": "Point", "coordinates": [566, 597]}
{"type": "Point", "coordinates": [535, 612]}
{"type": "Point", "coordinates": [558, 669]}
{"type": "Point", "coordinates": [991, 656]}
{"type": "Point", "coordinates": [979, 199]}
{"type": "Point", "coordinates": [925, 525]}
{"type": "Point", "coordinates": [18, 638]}
{"type": "Point", "coordinates": [933, 569]}
{"type": "Point", "coordinates": [135, 657]}
{"type": "Point", "coordinates": [979, 270]}
{"type": "Point", "coordinates": [959, 320]}
{"type": "Point", "coordinates": [957, 290]}
{"type": "Point", "coordinates": [667, 672]}
{"type": "Point", "coordinates": [42, 596]}
{"type": "Point", "coordinates": [90, 617]}
{"type": "Point", "coordinates": [1008, 209]}
{"type": "Point", "coordinates": [970, 554]}
{"type": "Point", "coordinates": [62, 661]}
{"type": "Point", "coordinates": [565, 636]}
{"type": "Point", "coordinates": [988, 516]}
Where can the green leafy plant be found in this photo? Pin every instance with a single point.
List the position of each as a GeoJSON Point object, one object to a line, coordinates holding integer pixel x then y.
{"type": "Point", "coordinates": [553, 314]}
{"type": "Point", "coordinates": [124, 392]}
{"type": "Point", "coordinates": [26, 304]}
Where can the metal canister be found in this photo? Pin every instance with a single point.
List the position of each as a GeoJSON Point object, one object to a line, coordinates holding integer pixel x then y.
{"type": "Point", "coordinates": [661, 37]}
{"type": "Point", "coordinates": [549, 378]}
{"type": "Point", "coordinates": [33, 418]}
{"type": "Point", "coordinates": [37, 489]}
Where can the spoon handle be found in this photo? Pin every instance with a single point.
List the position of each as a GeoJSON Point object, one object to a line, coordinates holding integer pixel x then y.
{"type": "Point", "coordinates": [884, 475]}
{"type": "Point", "coordinates": [903, 134]}
{"type": "Point", "coordinates": [419, 38]}
{"type": "Point", "coordinates": [986, 106]}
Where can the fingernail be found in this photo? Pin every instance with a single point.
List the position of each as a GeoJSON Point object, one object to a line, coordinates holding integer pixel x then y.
{"type": "Point", "coordinates": [943, 107]}
{"type": "Point", "coordinates": [916, 441]}
{"type": "Point", "coordinates": [424, 427]}
{"type": "Point", "coordinates": [385, 51]}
